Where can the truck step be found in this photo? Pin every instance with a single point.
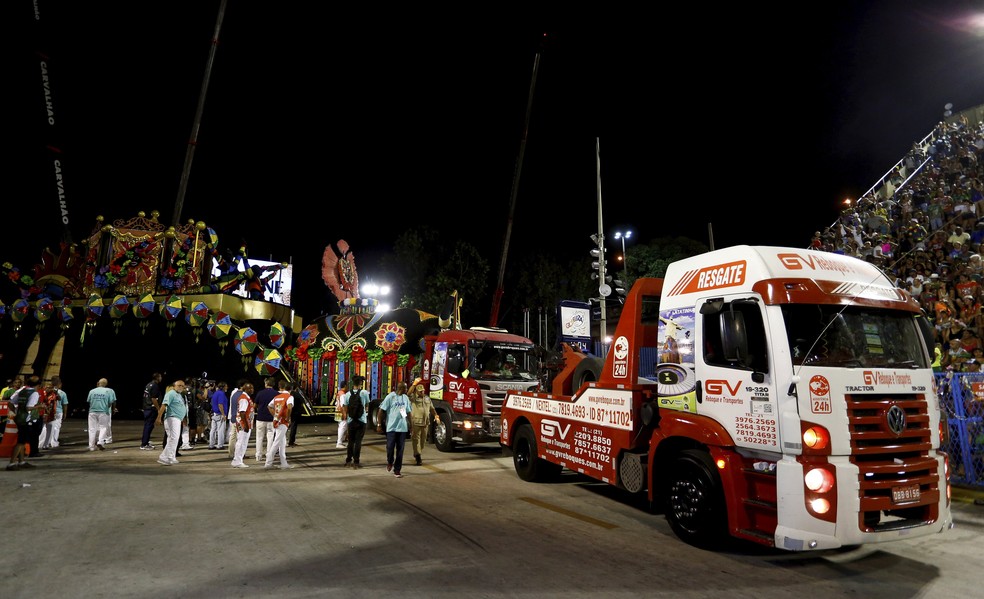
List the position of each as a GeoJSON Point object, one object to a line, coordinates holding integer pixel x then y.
{"type": "Point", "coordinates": [757, 536]}
{"type": "Point", "coordinates": [760, 504]}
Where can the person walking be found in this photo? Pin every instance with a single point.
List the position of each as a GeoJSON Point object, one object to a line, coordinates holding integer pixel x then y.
{"type": "Point", "coordinates": [342, 424]}
{"type": "Point", "coordinates": [395, 407]}
{"type": "Point", "coordinates": [244, 422]}
{"type": "Point", "coordinates": [151, 409]}
{"type": "Point", "coordinates": [264, 420]}
{"type": "Point", "coordinates": [61, 411]}
{"type": "Point", "coordinates": [41, 427]}
{"type": "Point", "coordinates": [422, 412]}
{"type": "Point", "coordinates": [172, 414]}
{"type": "Point", "coordinates": [102, 401]}
{"type": "Point", "coordinates": [22, 401]}
{"type": "Point", "coordinates": [354, 412]}
{"type": "Point", "coordinates": [233, 415]}
{"type": "Point", "coordinates": [294, 423]}
{"type": "Point", "coordinates": [280, 408]}
{"type": "Point", "coordinates": [220, 409]}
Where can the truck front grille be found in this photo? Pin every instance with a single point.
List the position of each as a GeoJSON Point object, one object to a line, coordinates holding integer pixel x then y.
{"type": "Point", "coordinates": [892, 464]}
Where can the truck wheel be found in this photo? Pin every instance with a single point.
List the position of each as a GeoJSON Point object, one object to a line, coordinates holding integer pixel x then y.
{"type": "Point", "coordinates": [587, 370]}
{"type": "Point", "coordinates": [372, 410]}
{"type": "Point", "coordinates": [694, 500]}
{"type": "Point", "coordinates": [443, 433]}
{"type": "Point", "coordinates": [529, 466]}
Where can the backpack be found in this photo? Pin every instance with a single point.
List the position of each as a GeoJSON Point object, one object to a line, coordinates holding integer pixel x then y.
{"type": "Point", "coordinates": [356, 408]}
{"type": "Point", "coordinates": [23, 415]}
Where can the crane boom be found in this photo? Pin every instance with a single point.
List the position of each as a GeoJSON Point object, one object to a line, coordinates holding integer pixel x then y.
{"type": "Point", "coordinates": [497, 297]}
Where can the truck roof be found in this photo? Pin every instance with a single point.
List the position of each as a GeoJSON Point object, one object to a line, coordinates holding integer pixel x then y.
{"type": "Point", "coordinates": [782, 274]}
{"type": "Point", "coordinates": [488, 334]}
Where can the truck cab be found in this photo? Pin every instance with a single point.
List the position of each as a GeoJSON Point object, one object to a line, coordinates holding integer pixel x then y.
{"type": "Point", "coordinates": [467, 374]}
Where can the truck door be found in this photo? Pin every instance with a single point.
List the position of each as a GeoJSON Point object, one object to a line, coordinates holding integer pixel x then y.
{"type": "Point", "coordinates": [735, 381]}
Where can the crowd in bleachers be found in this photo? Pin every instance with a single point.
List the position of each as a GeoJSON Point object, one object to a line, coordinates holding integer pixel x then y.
{"type": "Point", "coordinates": [923, 224]}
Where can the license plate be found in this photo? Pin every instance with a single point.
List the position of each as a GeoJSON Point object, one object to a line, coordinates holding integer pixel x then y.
{"type": "Point", "coordinates": [906, 494]}
{"type": "Point", "coordinates": [494, 427]}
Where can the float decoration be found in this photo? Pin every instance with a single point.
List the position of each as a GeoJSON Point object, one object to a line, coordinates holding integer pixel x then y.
{"type": "Point", "coordinates": [276, 334]}
{"type": "Point", "coordinates": [219, 326]}
{"type": "Point", "coordinates": [117, 309]}
{"type": "Point", "coordinates": [144, 308]}
{"type": "Point", "coordinates": [267, 362]}
{"type": "Point", "coordinates": [65, 313]}
{"type": "Point", "coordinates": [245, 343]}
{"type": "Point", "coordinates": [196, 317]}
{"type": "Point", "coordinates": [171, 309]}
{"type": "Point", "coordinates": [43, 311]}
{"type": "Point", "coordinates": [18, 313]}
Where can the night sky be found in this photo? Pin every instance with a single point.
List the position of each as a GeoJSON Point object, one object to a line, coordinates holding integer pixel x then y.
{"type": "Point", "coordinates": [360, 123]}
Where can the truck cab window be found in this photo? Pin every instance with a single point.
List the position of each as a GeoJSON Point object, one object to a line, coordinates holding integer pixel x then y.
{"type": "Point", "coordinates": [734, 337]}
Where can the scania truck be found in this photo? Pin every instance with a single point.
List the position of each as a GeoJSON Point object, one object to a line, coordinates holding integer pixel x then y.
{"type": "Point", "coordinates": [467, 374]}
{"type": "Point", "coordinates": [793, 404]}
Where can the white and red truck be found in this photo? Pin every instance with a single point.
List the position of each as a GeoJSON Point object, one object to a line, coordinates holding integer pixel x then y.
{"type": "Point", "coordinates": [793, 404]}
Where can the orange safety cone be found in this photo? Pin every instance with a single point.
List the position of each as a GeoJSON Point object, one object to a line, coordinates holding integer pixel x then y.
{"type": "Point", "coordinates": [9, 438]}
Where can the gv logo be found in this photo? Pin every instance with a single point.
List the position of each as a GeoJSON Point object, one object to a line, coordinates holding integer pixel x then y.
{"type": "Point", "coordinates": [719, 386]}
{"type": "Point", "coordinates": [869, 377]}
{"type": "Point", "coordinates": [552, 428]}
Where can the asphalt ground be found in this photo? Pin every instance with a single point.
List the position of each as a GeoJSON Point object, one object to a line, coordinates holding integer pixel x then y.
{"type": "Point", "coordinates": [116, 523]}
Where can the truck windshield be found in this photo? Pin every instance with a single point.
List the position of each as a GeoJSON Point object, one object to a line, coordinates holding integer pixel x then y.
{"type": "Point", "coordinates": [498, 364]}
{"type": "Point", "coordinates": [853, 337]}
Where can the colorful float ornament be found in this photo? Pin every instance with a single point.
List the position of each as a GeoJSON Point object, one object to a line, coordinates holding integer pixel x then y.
{"type": "Point", "coordinates": [3, 311]}
{"type": "Point", "coordinates": [267, 362]}
{"type": "Point", "coordinates": [117, 308]}
{"type": "Point", "coordinates": [219, 326]}
{"type": "Point", "coordinates": [143, 308]}
{"type": "Point", "coordinates": [65, 312]}
{"type": "Point", "coordinates": [171, 309]}
{"type": "Point", "coordinates": [93, 310]}
{"type": "Point", "coordinates": [245, 343]}
{"type": "Point", "coordinates": [94, 307]}
{"type": "Point", "coordinates": [196, 317]}
{"type": "Point", "coordinates": [277, 334]}
{"type": "Point", "coordinates": [18, 312]}
{"type": "Point", "coordinates": [43, 311]}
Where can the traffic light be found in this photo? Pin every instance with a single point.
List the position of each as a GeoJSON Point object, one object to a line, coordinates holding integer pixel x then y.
{"type": "Point", "coordinates": [618, 287]}
{"type": "Point", "coordinates": [598, 265]}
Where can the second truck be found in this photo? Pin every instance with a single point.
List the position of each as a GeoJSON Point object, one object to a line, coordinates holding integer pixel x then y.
{"type": "Point", "coordinates": [793, 404]}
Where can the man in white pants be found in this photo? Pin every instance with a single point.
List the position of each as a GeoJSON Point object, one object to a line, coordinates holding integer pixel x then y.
{"type": "Point", "coordinates": [101, 400]}
{"type": "Point", "coordinates": [342, 422]}
{"type": "Point", "coordinates": [61, 411]}
{"type": "Point", "coordinates": [172, 413]}
{"type": "Point", "coordinates": [280, 408]}
{"type": "Point", "coordinates": [244, 422]}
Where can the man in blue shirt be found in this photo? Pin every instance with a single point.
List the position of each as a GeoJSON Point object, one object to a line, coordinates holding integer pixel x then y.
{"type": "Point", "coordinates": [396, 407]}
{"type": "Point", "coordinates": [101, 402]}
{"type": "Point", "coordinates": [220, 419]}
{"type": "Point", "coordinates": [172, 414]}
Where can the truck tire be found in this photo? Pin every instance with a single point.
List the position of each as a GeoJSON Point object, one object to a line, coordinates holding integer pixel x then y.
{"type": "Point", "coordinates": [443, 433]}
{"type": "Point", "coordinates": [587, 370]}
{"type": "Point", "coordinates": [694, 502]}
{"type": "Point", "coordinates": [372, 410]}
{"type": "Point", "coordinates": [529, 466]}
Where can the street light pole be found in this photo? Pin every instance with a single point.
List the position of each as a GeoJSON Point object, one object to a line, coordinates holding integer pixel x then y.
{"type": "Point", "coordinates": [625, 261]}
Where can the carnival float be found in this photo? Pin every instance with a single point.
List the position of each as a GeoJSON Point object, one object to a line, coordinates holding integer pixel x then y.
{"type": "Point", "coordinates": [136, 297]}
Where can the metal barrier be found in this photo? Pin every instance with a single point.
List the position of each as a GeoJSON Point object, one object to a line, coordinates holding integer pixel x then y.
{"type": "Point", "coordinates": [962, 401]}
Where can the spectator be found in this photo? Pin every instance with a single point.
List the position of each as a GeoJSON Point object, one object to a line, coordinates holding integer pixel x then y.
{"type": "Point", "coordinates": [280, 408]}
{"type": "Point", "coordinates": [396, 407]}
{"type": "Point", "coordinates": [102, 401]}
